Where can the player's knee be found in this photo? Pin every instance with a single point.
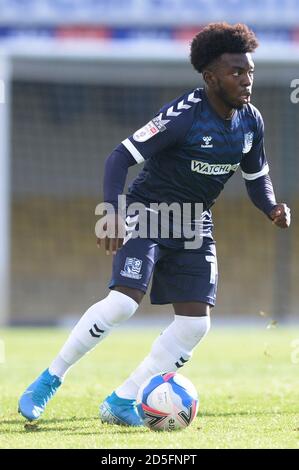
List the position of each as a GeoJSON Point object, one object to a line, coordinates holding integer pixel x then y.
{"type": "Point", "coordinates": [191, 330]}
{"type": "Point", "coordinates": [183, 333]}
{"type": "Point", "coordinates": [118, 308]}
{"type": "Point", "coordinates": [192, 309]}
{"type": "Point", "coordinates": [135, 294]}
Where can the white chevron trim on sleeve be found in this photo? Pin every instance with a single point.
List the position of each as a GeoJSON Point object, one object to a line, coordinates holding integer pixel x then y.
{"type": "Point", "coordinates": [181, 105]}
{"type": "Point", "coordinates": [193, 99]}
{"type": "Point", "coordinates": [163, 121]}
{"type": "Point", "coordinates": [171, 112]}
{"type": "Point", "coordinates": [133, 151]}
{"type": "Point", "coordinates": [254, 176]}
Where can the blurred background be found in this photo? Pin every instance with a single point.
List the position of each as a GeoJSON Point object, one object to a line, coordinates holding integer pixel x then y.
{"type": "Point", "coordinates": [80, 76]}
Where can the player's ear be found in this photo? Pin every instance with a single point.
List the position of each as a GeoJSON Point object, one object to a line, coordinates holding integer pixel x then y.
{"type": "Point", "coordinates": [209, 78]}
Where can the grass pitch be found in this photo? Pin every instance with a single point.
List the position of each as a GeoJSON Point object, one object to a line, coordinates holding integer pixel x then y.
{"type": "Point", "coordinates": [247, 380]}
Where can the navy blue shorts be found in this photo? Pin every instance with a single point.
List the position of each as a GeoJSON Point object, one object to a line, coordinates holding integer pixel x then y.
{"type": "Point", "coordinates": [178, 275]}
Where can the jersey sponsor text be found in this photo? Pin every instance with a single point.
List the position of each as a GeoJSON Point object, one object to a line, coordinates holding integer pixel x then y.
{"type": "Point", "coordinates": [212, 169]}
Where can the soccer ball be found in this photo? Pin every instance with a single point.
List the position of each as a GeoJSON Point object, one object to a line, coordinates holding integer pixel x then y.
{"type": "Point", "coordinates": [167, 402]}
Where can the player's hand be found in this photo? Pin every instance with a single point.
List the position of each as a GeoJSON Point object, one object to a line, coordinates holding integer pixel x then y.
{"type": "Point", "coordinates": [281, 215]}
{"type": "Point", "coordinates": [111, 233]}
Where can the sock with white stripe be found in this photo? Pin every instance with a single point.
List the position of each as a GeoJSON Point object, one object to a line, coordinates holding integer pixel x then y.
{"type": "Point", "coordinates": [170, 351]}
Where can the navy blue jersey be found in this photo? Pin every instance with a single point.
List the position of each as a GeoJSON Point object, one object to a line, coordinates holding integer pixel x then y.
{"type": "Point", "coordinates": [190, 152]}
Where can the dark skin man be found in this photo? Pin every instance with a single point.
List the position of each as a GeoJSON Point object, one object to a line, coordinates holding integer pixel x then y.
{"type": "Point", "coordinates": [228, 84]}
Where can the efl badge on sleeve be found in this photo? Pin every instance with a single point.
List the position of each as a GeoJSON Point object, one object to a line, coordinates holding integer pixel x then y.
{"type": "Point", "coordinates": [149, 130]}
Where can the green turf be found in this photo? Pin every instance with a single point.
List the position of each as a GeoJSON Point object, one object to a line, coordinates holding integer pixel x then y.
{"type": "Point", "coordinates": [246, 379]}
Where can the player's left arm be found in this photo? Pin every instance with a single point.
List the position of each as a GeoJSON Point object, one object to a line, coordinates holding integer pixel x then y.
{"type": "Point", "coordinates": [261, 193]}
{"type": "Point", "coordinates": [281, 215]}
{"type": "Point", "coordinates": [255, 171]}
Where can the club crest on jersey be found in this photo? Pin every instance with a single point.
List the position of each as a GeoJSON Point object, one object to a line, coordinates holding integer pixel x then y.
{"type": "Point", "coordinates": [208, 169]}
{"type": "Point", "coordinates": [132, 268]}
{"type": "Point", "coordinates": [149, 130]}
{"type": "Point", "coordinates": [248, 140]}
{"type": "Point", "coordinates": [207, 142]}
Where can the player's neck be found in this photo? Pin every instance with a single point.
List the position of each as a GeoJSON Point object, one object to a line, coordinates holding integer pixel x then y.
{"type": "Point", "coordinates": [222, 109]}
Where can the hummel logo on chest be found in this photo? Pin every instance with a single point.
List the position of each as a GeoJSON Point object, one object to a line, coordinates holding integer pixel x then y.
{"type": "Point", "coordinates": [207, 145]}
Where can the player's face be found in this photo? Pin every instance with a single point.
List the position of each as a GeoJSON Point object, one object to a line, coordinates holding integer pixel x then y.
{"type": "Point", "coordinates": [233, 79]}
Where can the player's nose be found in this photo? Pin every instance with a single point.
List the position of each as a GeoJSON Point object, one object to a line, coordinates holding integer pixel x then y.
{"type": "Point", "coordinates": [246, 80]}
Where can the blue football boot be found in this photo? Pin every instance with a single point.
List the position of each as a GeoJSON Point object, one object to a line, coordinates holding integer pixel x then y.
{"type": "Point", "coordinates": [35, 398]}
{"type": "Point", "coordinates": [116, 410]}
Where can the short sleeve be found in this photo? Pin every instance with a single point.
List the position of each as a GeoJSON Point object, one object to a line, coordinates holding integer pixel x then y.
{"type": "Point", "coordinates": [254, 162]}
{"type": "Point", "coordinates": [167, 129]}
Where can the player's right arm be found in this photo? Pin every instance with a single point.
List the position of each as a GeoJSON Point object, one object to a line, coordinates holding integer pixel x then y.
{"type": "Point", "coordinates": [115, 174]}
{"type": "Point", "coordinates": [166, 129]}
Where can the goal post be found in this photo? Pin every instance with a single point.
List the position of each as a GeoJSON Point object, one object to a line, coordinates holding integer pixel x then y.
{"type": "Point", "coordinates": [5, 77]}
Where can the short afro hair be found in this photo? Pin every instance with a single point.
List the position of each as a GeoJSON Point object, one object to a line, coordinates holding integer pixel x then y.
{"type": "Point", "coordinates": [217, 39]}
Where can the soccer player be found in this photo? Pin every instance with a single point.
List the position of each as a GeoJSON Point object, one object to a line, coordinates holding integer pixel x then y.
{"type": "Point", "coordinates": [190, 148]}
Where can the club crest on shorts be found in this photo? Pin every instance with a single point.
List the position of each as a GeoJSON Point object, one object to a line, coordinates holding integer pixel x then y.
{"type": "Point", "coordinates": [132, 268]}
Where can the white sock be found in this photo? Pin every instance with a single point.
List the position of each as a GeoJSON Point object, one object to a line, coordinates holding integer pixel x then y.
{"type": "Point", "coordinates": [92, 328]}
{"type": "Point", "coordinates": [170, 351]}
